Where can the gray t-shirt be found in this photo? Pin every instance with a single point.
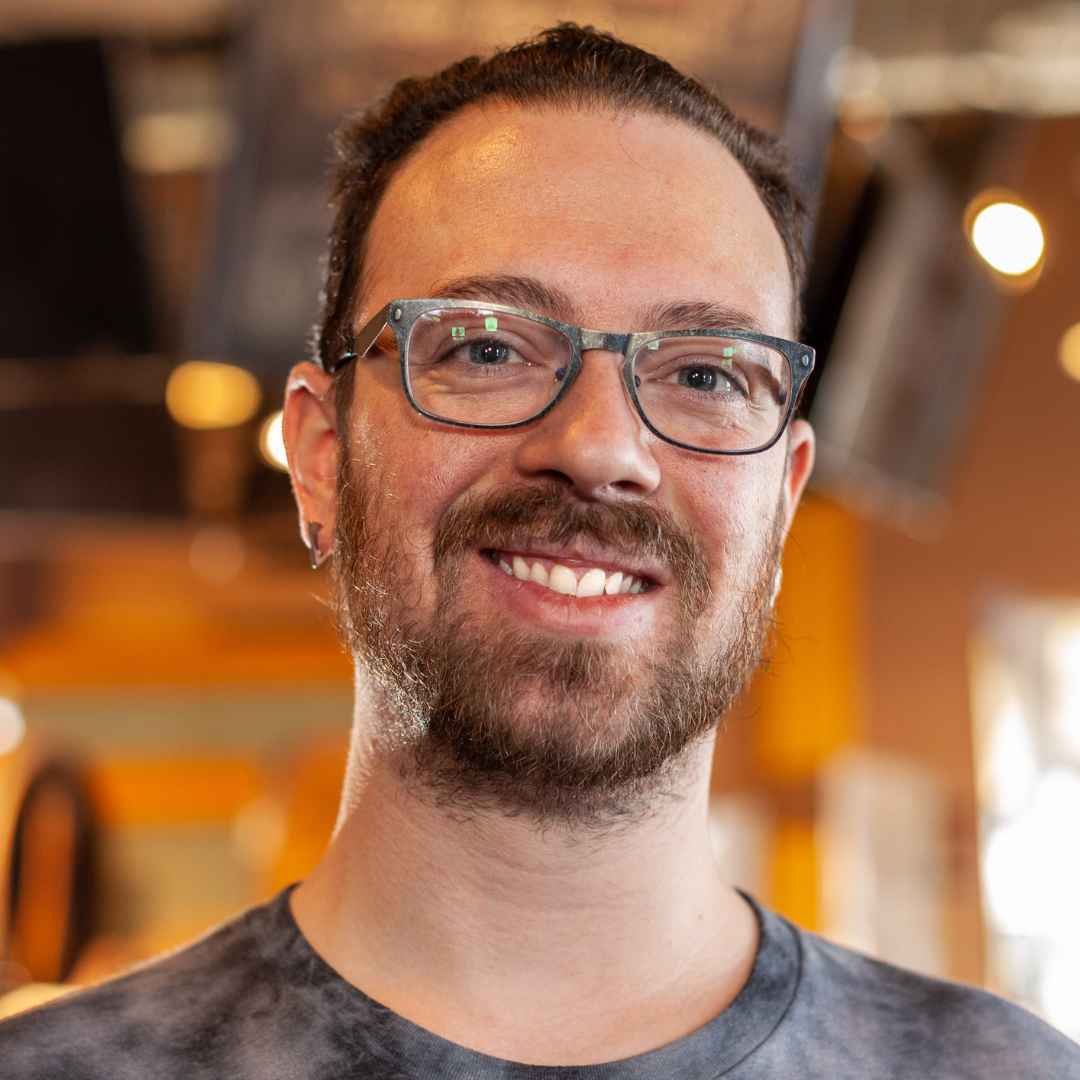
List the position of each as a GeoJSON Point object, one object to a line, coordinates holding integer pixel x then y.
{"type": "Point", "coordinates": [253, 1001]}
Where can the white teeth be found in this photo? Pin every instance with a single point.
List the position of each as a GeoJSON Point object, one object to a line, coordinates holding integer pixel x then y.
{"type": "Point", "coordinates": [591, 583]}
{"type": "Point", "coordinates": [561, 580]}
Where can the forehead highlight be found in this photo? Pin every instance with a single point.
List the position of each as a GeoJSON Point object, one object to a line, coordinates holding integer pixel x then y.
{"type": "Point", "coordinates": [454, 205]}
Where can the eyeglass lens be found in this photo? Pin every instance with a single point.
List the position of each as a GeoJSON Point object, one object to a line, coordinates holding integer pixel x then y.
{"type": "Point", "coordinates": [715, 393]}
{"type": "Point", "coordinates": [479, 368]}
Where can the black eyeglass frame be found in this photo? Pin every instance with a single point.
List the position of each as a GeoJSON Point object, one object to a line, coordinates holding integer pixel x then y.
{"type": "Point", "coordinates": [401, 316]}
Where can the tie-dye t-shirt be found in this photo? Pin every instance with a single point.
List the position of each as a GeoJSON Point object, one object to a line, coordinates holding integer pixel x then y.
{"type": "Point", "coordinates": [253, 1001]}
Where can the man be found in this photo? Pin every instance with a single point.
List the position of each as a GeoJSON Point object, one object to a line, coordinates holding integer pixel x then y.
{"type": "Point", "coordinates": [557, 553]}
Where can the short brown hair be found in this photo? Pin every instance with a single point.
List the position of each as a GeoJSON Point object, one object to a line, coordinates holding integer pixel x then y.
{"type": "Point", "coordinates": [566, 66]}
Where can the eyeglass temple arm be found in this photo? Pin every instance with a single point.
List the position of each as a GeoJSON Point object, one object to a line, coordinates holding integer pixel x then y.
{"type": "Point", "coordinates": [360, 345]}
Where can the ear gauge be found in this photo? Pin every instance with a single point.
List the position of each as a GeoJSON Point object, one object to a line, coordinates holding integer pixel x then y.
{"type": "Point", "coordinates": [314, 554]}
{"type": "Point", "coordinates": [777, 582]}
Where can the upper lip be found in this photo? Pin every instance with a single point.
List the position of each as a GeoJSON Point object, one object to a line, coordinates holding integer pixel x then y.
{"type": "Point", "coordinates": [591, 555]}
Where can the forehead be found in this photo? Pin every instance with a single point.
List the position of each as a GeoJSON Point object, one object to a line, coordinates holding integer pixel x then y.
{"type": "Point", "coordinates": [619, 211]}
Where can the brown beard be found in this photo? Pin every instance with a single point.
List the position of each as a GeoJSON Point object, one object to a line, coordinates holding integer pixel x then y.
{"type": "Point", "coordinates": [578, 733]}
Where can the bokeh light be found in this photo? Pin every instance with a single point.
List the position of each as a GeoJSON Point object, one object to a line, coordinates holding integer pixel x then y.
{"type": "Point", "coordinates": [1069, 351]}
{"type": "Point", "coordinates": [1063, 646]}
{"type": "Point", "coordinates": [1059, 987]}
{"type": "Point", "coordinates": [272, 442]}
{"type": "Point", "coordinates": [1008, 237]}
{"type": "Point", "coordinates": [1032, 891]}
{"type": "Point", "coordinates": [12, 726]}
{"type": "Point", "coordinates": [1012, 764]}
{"type": "Point", "coordinates": [204, 395]}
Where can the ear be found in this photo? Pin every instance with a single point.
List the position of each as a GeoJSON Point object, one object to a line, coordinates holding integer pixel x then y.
{"type": "Point", "coordinates": [800, 463]}
{"type": "Point", "coordinates": [312, 447]}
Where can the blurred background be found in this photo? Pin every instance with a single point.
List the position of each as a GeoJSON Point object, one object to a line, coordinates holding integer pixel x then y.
{"type": "Point", "coordinates": [904, 777]}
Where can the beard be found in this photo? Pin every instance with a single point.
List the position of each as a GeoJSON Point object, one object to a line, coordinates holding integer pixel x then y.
{"type": "Point", "coordinates": [481, 714]}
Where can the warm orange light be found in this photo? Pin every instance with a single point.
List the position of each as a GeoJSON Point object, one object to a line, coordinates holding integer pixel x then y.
{"type": "Point", "coordinates": [1007, 236]}
{"type": "Point", "coordinates": [1069, 351]}
{"type": "Point", "coordinates": [272, 442]}
{"type": "Point", "coordinates": [204, 395]}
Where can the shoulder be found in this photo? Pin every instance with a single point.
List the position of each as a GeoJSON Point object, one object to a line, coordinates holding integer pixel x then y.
{"type": "Point", "coordinates": [159, 1019]}
{"type": "Point", "coordinates": [928, 1027]}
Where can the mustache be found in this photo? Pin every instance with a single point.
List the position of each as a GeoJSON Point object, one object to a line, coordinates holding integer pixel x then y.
{"type": "Point", "coordinates": [514, 516]}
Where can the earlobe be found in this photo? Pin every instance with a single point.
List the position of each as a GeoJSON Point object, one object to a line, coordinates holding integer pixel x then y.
{"type": "Point", "coordinates": [312, 446]}
{"type": "Point", "coordinates": [314, 545]}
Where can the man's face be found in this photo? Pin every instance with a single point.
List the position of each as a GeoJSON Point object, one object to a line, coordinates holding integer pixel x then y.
{"type": "Point", "coordinates": [500, 688]}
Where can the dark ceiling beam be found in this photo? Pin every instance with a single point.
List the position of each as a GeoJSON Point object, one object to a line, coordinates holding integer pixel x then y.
{"type": "Point", "coordinates": [808, 127]}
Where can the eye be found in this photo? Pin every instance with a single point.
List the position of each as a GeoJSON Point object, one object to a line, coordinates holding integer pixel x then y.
{"type": "Point", "coordinates": [489, 351]}
{"type": "Point", "coordinates": [698, 378]}
{"type": "Point", "coordinates": [707, 379]}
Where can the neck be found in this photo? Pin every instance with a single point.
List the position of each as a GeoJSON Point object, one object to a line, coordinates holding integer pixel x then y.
{"type": "Point", "coordinates": [462, 923]}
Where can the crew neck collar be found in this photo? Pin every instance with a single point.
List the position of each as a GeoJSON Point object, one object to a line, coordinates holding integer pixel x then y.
{"type": "Point", "coordinates": [709, 1052]}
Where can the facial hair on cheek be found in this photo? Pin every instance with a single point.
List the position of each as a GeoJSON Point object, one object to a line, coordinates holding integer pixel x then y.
{"type": "Point", "coordinates": [577, 731]}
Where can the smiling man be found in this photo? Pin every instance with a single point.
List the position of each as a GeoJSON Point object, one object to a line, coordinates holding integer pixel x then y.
{"type": "Point", "coordinates": [550, 443]}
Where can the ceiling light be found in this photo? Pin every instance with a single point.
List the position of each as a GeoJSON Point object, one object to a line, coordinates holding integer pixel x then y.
{"type": "Point", "coordinates": [205, 395]}
{"type": "Point", "coordinates": [1008, 236]}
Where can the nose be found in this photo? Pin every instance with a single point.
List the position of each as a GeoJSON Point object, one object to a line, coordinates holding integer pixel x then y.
{"type": "Point", "coordinates": [593, 439]}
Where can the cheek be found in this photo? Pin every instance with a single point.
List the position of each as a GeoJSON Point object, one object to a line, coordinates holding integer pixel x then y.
{"type": "Point", "coordinates": [386, 471]}
{"type": "Point", "coordinates": [413, 468]}
{"type": "Point", "coordinates": [731, 505]}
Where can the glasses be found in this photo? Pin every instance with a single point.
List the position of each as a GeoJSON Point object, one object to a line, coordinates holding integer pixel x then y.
{"type": "Point", "coordinates": [478, 365]}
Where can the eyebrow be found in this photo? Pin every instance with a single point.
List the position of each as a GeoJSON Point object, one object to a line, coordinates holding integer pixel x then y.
{"type": "Point", "coordinates": [512, 290]}
{"type": "Point", "coordinates": [528, 292]}
{"type": "Point", "coordinates": [700, 315]}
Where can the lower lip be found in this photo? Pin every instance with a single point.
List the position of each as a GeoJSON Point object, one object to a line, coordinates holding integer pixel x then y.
{"type": "Point", "coordinates": [589, 616]}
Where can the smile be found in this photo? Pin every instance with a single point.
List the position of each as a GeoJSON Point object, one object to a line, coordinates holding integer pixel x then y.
{"type": "Point", "coordinates": [579, 581]}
